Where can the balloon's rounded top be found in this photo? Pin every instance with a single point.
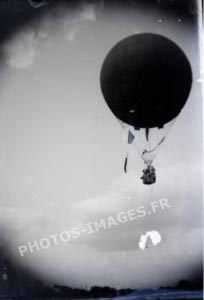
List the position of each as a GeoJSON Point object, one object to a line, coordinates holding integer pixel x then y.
{"type": "Point", "coordinates": [146, 80]}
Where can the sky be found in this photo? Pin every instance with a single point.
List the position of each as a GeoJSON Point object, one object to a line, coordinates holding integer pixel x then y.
{"type": "Point", "coordinates": [62, 151]}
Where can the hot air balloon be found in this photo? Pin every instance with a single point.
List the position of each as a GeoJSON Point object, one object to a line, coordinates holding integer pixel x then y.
{"type": "Point", "coordinates": [146, 80]}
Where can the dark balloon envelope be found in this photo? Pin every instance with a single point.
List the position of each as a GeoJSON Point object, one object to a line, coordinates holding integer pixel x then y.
{"type": "Point", "coordinates": [146, 80]}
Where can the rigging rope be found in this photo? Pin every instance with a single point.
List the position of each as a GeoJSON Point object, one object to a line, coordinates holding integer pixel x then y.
{"type": "Point", "coordinates": [125, 163]}
{"type": "Point", "coordinates": [150, 151]}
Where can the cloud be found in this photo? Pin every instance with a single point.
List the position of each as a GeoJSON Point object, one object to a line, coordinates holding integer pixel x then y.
{"type": "Point", "coordinates": [71, 35]}
{"type": "Point", "coordinates": [116, 249]}
{"type": "Point", "coordinates": [88, 12]}
{"type": "Point", "coordinates": [21, 50]}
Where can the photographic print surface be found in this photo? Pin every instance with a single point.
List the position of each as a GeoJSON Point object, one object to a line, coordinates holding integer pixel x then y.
{"type": "Point", "coordinates": [101, 149]}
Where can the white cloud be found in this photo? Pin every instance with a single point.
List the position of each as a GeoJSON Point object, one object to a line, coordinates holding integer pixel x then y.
{"type": "Point", "coordinates": [88, 12]}
{"type": "Point", "coordinates": [106, 248]}
{"type": "Point", "coordinates": [71, 35]}
{"type": "Point", "coordinates": [22, 49]}
{"type": "Point", "coordinates": [85, 14]}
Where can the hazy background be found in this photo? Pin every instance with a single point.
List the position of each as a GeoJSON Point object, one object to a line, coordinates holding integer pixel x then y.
{"type": "Point", "coordinates": [62, 150]}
